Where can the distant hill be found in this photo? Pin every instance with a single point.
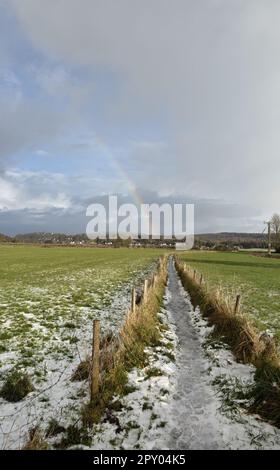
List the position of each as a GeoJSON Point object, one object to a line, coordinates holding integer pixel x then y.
{"type": "Point", "coordinates": [231, 240]}
{"type": "Point", "coordinates": [51, 238]}
{"type": "Point", "coordinates": [231, 235]}
{"type": "Point", "coordinates": [223, 240]}
{"type": "Point", "coordinates": [5, 238]}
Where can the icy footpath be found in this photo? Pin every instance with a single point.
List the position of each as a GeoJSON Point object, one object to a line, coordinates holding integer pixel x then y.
{"type": "Point", "coordinates": [175, 405]}
{"type": "Point", "coordinates": [198, 419]}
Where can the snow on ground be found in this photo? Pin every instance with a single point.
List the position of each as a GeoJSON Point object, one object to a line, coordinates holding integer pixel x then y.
{"type": "Point", "coordinates": [181, 400]}
{"type": "Point", "coordinates": [200, 418]}
{"type": "Point", "coordinates": [55, 395]}
{"type": "Point", "coordinates": [184, 408]}
{"type": "Point", "coordinates": [145, 415]}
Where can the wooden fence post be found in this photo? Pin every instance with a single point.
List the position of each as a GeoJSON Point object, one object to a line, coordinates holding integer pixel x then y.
{"type": "Point", "coordinates": [155, 279]}
{"type": "Point", "coordinates": [201, 279]}
{"type": "Point", "coordinates": [237, 303]}
{"type": "Point", "coordinates": [145, 293]}
{"type": "Point", "coordinates": [133, 300]}
{"type": "Point", "coordinates": [95, 372]}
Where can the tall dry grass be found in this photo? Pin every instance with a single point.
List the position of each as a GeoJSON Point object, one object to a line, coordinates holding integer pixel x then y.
{"type": "Point", "coordinates": [127, 350]}
{"type": "Point", "coordinates": [247, 343]}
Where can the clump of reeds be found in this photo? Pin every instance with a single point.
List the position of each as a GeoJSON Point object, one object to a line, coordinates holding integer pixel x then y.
{"type": "Point", "coordinates": [35, 440]}
{"type": "Point", "coordinates": [82, 371]}
{"type": "Point", "coordinates": [17, 385]}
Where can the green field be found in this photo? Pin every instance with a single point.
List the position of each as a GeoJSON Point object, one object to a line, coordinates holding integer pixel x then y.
{"type": "Point", "coordinates": [48, 297]}
{"type": "Point", "coordinates": [256, 278]}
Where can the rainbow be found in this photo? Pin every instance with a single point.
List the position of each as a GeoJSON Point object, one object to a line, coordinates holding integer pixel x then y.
{"type": "Point", "coordinates": [130, 185]}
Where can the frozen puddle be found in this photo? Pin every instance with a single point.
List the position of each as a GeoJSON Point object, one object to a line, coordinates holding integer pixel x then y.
{"type": "Point", "coordinates": [197, 419]}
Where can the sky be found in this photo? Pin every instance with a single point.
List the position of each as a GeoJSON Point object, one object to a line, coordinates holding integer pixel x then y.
{"type": "Point", "coordinates": [153, 100]}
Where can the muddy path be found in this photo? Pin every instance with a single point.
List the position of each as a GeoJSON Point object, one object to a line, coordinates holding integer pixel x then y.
{"type": "Point", "coordinates": [198, 420]}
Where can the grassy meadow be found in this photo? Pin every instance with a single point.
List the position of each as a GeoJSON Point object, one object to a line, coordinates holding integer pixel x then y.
{"type": "Point", "coordinates": [256, 278]}
{"type": "Point", "coordinates": [48, 297]}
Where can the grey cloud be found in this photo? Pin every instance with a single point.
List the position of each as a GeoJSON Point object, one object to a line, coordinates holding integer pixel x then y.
{"type": "Point", "coordinates": [33, 191]}
{"type": "Point", "coordinates": [26, 126]}
{"type": "Point", "coordinates": [26, 123]}
{"type": "Point", "coordinates": [211, 68]}
{"type": "Point", "coordinates": [209, 71]}
{"type": "Point", "coordinates": [210, 215]}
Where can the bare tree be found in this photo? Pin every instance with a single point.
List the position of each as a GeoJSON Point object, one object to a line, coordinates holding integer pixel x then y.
{"type": "Point", "coordinates": [275, 229]}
